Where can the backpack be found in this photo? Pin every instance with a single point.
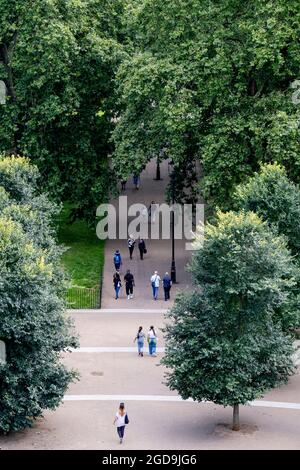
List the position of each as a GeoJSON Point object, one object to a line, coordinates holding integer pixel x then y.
{"type": "Point", "coordinates": [117, 258]}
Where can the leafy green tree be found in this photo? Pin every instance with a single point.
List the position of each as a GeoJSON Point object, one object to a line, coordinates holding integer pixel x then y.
{"type": "Point", "coordinates": [271, 195]}
{"type": "Point", "coordinates": [58, 59]}
{"type": "Point", "coordinates": [223, 342]}
{"type": "Point", "coordinates": [211, 81]}
{"type": "Point", "coordinates": [276, 199]}
{"type": "Point", "coordinates": [33, 324]}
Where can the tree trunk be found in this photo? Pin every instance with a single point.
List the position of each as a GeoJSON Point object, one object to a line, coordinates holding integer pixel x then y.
{"type": "Point", "coordinates": [158, 178]}
{"type": "Point", "coordinates": [236, 418]}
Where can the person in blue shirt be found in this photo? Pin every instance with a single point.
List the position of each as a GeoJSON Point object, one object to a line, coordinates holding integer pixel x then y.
{"type": "Point", "coordinates": [117, 260]}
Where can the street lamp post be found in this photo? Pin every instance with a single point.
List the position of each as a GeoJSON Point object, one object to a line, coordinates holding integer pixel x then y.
{"type": "Point", "coordinates": [158, 178]}
{"type": "Point", "coordinates": [173, 265]}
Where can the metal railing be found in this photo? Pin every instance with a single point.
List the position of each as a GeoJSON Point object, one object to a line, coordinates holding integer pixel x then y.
{"type": "Point", "coordinates": [84, 297]}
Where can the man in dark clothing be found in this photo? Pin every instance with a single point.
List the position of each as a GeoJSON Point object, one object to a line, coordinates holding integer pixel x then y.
{"type": "Point", "coordinates": [129, 284]}
{"type": "Point", "coordinates": [167, 283]}
{"type": "Point", "coordinates": [142, 247]}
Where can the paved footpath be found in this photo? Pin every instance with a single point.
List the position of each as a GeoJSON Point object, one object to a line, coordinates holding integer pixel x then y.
{"type": "Point", "coordinates": [159, 251]}
{"type": "Point", "coordinates": [158, 417]}
{"type": "Point", "coordinates": [111, 371]}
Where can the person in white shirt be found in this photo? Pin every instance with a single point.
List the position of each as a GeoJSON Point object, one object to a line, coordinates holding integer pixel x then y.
{"type": "Point", "coordinates": [155, 280]}
{"type": "Point", "coordinates": [152, 341]}
{"type": "Point", "coordinates": [121, 419]}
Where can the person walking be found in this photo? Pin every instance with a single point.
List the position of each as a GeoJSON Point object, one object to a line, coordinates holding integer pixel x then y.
{"type": "Point", "coordinates": [142, 247]}
{"type": "Point", "coordinates": [152, 341]}
{"type": "Point", "coordinates": [117, 260]}
{"type": "Point", "coordinates": [123, 185]}
{"type": "Point", "coordinates": [167, 284]}
{"type": "Point", "coordinates": [136, 181]}
{"type": "Point", "coordinates": [140, 338]}
{"type": "Point", "coordinates": [129, 284]}
{"type": "Point", "coordinates": [131, 243]}
{"type": "Point", "coordinates": [117, 283]}
{"type": "Point", "coordinates": [121, 419]}
{"type": "Point", "coordinates": [155, 280]}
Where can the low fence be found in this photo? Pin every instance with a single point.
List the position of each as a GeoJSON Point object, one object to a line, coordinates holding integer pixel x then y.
{"type": "Point", "coordinates": [84, 298]}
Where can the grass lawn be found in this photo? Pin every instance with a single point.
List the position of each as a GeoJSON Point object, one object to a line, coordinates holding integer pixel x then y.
{"type": "Point", "coordinates": [83, 260]}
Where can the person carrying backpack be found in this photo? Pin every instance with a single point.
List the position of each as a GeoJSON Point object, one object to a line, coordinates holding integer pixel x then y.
{"type": "Point", "coordinates": [155, 280]}
{"type": "Point", "coordinates": [167, 284]}
{"type": "Point", "coordinates": [121, 420]}
{"type": "Point", "coordinates": [117, 260]}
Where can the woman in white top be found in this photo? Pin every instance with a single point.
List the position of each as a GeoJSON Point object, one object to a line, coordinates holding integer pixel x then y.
{"type": "Point", "coordinates": [152, 340]}
{"type": "Point", "coordinates": [121, 419]}
{"type": "Point", "coordinates": [155, 280]}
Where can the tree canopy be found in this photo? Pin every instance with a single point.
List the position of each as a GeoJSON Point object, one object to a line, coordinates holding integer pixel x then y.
{"type": "Point", "coordinates": [33, 324]}
{"type": "Point", "coordinates": [211, 81]}
{"type": "Point", "coordinates": [58, 59]}
{"type": "Point", "coordinates": [224, 343]}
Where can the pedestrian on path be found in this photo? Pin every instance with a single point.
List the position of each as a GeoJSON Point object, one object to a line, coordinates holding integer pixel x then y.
{"type": "Point", "coordinates": [131, 243]}
{"type": "Point", "coordinates": [136, 181]}
{"type": "Point", "coordinates": [142, 247]}
{"type": "Point", "coordinates": [167, 283]}
{"type": "Point", "coordinates": [155, 280]}
{"type": "Point", "coordinates": [129, 284]}
{"type": "Point", "coordinates": [117, 283]}
{"type": "Point", "coordinates": [152, 341]}
{"type": "Point", "coordinates": [123, 185]}
{"type": "Point", "coordinates": [140, 338]}
{"type": "Point", "coordinates": [117, 260]}
{"type": "Point", "coordinates": [121, 419]}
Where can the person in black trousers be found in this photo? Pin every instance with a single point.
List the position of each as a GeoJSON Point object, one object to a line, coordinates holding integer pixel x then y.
{"type": "Point", "coordinates": [129, 284]}
{"type": "Point", "coordinates": [167, 283]}
{"type": "Point", "coordinates": [142, 247]}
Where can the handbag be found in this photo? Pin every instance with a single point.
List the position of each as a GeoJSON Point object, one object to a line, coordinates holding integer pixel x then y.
{"type": "Point", "coordinates": [126, 419]}
{"type": "Point", "coordinates": [145, 250]}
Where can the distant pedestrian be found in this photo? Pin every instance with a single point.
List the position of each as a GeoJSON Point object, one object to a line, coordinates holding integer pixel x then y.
{"type": "Point", "coordinates": [152, 341]}
{"type": "Point", "coordinates": [121, 419]}
{"type": "Point", "coordinates": [167, 284]}
{"type": "Point", "coordinates": [123, 185]}
{"type": "Point", "coordinates": [136, 181]}
{"type": "Point", "coordinates": [140, 338]}
{"type": "Point", "coordinates": [155, 280]}
{"type": "Point", "coordinates": [117, 260]}
{"type": "Point", "coordinates": [129, 284]}
{"type": "Point", "coordinates": [117, 283]}
{"type": "Point", "coordinates": [131, 243]}
{"type": "Point", "coordinates": [142, 247]}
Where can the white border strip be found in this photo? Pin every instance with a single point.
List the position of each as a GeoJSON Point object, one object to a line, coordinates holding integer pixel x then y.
{"type": "Point", "coordinates": [119, 310]}
{"type": "Point", "coordinates": [109, 349]}
{"type": "Point", "coordinates": [173, 398]}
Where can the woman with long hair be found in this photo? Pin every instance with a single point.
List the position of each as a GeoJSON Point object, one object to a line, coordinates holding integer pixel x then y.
{"type": "Point", "coordinates": [121, 419]}
{"type": "Point", "coordinates": [140, 340]}
{"type": "Point", "coordinates": [152, 340]}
